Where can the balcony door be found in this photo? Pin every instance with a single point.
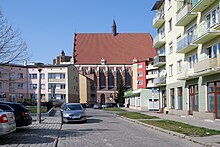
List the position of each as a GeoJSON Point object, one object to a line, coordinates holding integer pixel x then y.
{"type": "Point", "coordinates": [193, 99]}
{"type": "Point", "coordinates": [214, 98]}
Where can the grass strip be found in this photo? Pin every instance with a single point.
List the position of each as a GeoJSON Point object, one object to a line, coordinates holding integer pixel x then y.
{"type": "Point", "coordinates": [136, 115]}
{"type": "Point", "coordinates": [114, 109]}
{"type": "Point", "coordinates": [34, 109]}
{"type": "Point", "coordinates": [182, 128]}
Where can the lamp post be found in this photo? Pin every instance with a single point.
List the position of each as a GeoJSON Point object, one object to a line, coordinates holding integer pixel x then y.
{"type": "Point", "coordinates": [39, 66]}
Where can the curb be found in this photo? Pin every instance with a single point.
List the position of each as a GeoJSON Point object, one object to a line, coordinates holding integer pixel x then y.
{"type": "Point", "coordinates": [57, 138]}
{"type": "Point", "coordinates": [166, 131]}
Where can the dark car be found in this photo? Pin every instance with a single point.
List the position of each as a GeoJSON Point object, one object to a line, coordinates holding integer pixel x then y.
{"type": "Point", "coordinates": [22, 116]}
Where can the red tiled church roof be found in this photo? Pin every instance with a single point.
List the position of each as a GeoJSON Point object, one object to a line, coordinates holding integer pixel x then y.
{"type": "Point", "coordinates": [90, 48]}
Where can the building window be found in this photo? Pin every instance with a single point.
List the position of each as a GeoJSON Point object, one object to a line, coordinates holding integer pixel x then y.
{"type": "Point", "coordinates": [179, 66]}
{"type": "Point", "coordinates": [211, 18]}
{"type": "Point", "coordinates": [162, 33]}
{"type": "Point", "coordinates": [140, 74]}
{"type": "Point", "coordinates": [62, 86]}
{"type": "Point", "coordinates": [213, 96]}
{"type": "Point", "coordinates": [20, 75]}
{"type": "Point", "coordinates": [43, 87]}
{"type": "Point", "coordinates": [171, 70]}
{"type": "Point", "coordinates": [139, 65]}
{"type": "Point", "coordinates": [33, 86]}
{"type": "Point", "coordinates": [180, 98]}
{"type": "Point", "coordinates": [11, 76]}
{"type": "Point", "coordinates": [213, 51]}
{"type": "Point", "coordinates": [192, 60]}
{"type": "Point", "coordinates": [56, 76]}
{"type": "Point", "coordinates": [33, 76]}
{"type": "Point", "coordinates": [193, 98]}
{"type": "Point", "coordinates": [170, 25]}
{"type": "Point", "coordinates": [172, 98]}
{"type": "Point", "coordinates": [20, 85]}
{"type": "Point", "coordinates": [0, 74]}
{"type": "Point", "coordinates": [20, 96]}
{"type": "Point", "coordinates": [140, 82]}
{"type": "Point", "coordinates": [170, 47]}
{"type": "Point", "coordinates": [154, 72]}
{"type": "Point", "coordinates": [42, 75]}
{"type": "Point", "coordinates": [0, 85]}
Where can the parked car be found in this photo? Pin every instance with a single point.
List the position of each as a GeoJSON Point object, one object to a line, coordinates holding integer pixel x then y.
{"type": "Point", "coordinates": [7, 122]}
{"type": "Point", "coordinates": [97, 106]}
{"type": "Point", "coordinates": [22, 116]}
{"type": "Point", "coordinates": [73, 112]}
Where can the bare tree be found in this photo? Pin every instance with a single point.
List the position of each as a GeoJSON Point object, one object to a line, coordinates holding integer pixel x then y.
{"type": "Point", "coordinates": [12, 47]}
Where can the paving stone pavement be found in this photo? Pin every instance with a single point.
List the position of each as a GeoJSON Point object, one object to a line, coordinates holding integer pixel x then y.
{"type": "Point", "coordinates": [213, 140]}
{"type": "Point", "coordinates": [35, 135]}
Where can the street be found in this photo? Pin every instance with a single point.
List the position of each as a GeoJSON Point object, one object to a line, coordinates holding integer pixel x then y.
{"type": "Point", "coordinates": [102, 129]}
{"type": "Point", "coordinates": [105, 129]}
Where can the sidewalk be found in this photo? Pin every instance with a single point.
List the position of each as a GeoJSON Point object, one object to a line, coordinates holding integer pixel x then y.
{"type": "Point", "coordinates": [35, 135]}
{"type": "Point", "coordinates": [210, 124]}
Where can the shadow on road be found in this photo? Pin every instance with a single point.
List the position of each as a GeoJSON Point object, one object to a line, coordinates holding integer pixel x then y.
{"type": "Point", "coordinates": [78, 132]}
{"type": "Point", "coordinates": [29, 135]}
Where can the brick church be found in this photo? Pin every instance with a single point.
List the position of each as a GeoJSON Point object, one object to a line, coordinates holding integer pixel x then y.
{"type": "Point", "coordinates": [108, 57]}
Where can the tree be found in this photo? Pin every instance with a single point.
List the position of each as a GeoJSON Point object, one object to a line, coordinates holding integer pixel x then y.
{"type": "Point", "coordinates": [12, 47]}
{"type": "Point", "coordinates": [120, 92]}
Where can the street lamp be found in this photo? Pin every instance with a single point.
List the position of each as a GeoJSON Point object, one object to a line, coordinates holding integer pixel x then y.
{"type": "Point", "coordinates": [39, 66]}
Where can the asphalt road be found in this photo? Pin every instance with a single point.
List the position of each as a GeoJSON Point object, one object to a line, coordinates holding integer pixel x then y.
{"type": "Point", "coordinates": [104, 129]}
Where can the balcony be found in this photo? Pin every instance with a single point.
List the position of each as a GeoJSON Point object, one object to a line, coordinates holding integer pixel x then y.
{"type": "Point", "coordinates": [184, 45]}
{"type": "Point", "coordinates": [184, 16]}
{"type": "Point", "coordinates": [159, 40]}
{"type": "Point", "coordinates": [150, 85]}
{"type": "Point", "coordinates": [204, 34]}
{"type": "Point", "coordinates": [185, 73]}
{"type": "Point", "coordinates": [56, 80]}
{"type": "Point", "coordinates": [159, 61]}
{"type": "Point", "coordinates": [201, 5]}
{"type": "Point", "coordinates": [151, 76]}
{"type": "Point", "coordinates": [160, 81]}
{"type": "Point", "coordinates": [158, 20]}
{"type": "Point", "coordinates": [205, 64]}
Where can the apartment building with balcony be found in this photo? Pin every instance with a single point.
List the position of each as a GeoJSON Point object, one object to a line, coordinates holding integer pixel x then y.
{"type": "Point", "coordinates": [144, 92]}
{"type": "Point", "coordinates": [18, 82]}
{"type": "Point", "coordinates": [60, 82]}
{"type": "Point", "coordinates": [192, 68]}
{"type": "Point", "coordinates": [13, 83]}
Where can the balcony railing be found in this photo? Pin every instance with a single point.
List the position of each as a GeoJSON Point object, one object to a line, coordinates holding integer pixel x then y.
{"type": "Point", "coordinates": [158, 20]}
{"type": "Point", "coordinates": [150, 85]}
{"type": "Point", "coordinates": [159, 61]}
{"type": "Point", "coordinates": [205, 64]}
{"type": "Point", "coordinates": [151, 76]}
{"type": "Point", "coordinates": [204, 32]}
{"type": "Point", "coordinates": [56, 80]}
{"type": "Point", "coordinates": [184, 72]}
{"type": "Point", "coordinates": [159, 40]}
{"type": "Point", "coordinates": [160, 81]}
{"type": "Point", "coordinates": [185, 45]}
{"type": "Point", "coordinates": [184, 16]}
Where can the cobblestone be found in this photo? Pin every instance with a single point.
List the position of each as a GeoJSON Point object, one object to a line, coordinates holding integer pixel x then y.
{"type": "Point", "coordinates": [35, 135]}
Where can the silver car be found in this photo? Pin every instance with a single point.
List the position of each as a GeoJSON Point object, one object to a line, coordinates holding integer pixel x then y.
{"type": "Point", "coordinates": [7, 122]}
{"type": "Point", "coordinates": [73, 112]}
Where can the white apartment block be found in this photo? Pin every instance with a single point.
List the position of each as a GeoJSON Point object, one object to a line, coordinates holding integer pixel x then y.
{"type": "Point", "coordinates": [60, 82]}
{"type": "Point", "coordinates": [188, 43]}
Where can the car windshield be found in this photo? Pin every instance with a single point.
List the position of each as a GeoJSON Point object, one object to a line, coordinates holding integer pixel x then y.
{"type": "Point", "coordinates": [73, 107]}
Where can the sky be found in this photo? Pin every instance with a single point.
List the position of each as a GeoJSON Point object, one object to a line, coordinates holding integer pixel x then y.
{"type": "Point", "coordinates": [48, 26]}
